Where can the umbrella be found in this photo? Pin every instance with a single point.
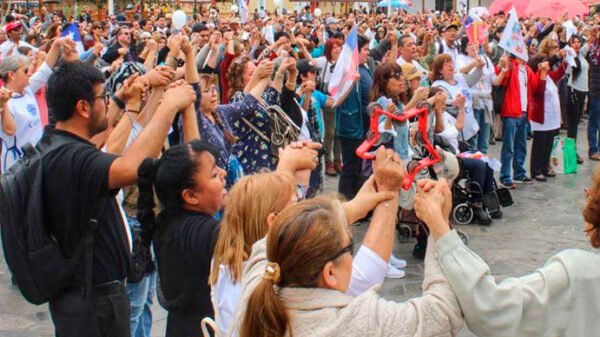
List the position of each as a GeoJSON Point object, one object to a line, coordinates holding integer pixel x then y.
{"type": "Point", "coordinates": [554, 9]}
{"type": "Point", "coordinates": [506, 5]}
{"type": "Point", "coordinates": [393, 4]}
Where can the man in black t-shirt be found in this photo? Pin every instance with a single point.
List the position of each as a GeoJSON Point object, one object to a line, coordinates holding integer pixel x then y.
{"type": "Point", "coordinates": [81, 182]}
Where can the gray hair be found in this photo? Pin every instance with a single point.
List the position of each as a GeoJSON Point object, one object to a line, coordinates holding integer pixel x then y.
{"type": "Point", "coordinates": [11, 64]}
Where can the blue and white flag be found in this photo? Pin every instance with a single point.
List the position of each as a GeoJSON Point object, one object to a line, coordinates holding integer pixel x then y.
{"type": "Point", "coordinates": [72, 31]}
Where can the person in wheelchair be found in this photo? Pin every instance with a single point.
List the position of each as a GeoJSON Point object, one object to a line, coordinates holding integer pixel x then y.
{"type": "Point", "coordinates": [477, 172]}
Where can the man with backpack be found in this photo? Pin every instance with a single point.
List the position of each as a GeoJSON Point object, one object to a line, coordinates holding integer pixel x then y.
{"type": "Point", "coordinates": [73, 194]}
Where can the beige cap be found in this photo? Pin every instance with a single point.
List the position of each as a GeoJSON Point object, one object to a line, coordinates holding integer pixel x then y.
{"type": "Point", "coordinates": [410, 72]}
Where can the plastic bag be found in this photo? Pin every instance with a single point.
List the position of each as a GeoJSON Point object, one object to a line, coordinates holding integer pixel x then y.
{"type": "Point", "coordinates": [556, 157]}
{"type": "Point", "coordinates": [570, 156]}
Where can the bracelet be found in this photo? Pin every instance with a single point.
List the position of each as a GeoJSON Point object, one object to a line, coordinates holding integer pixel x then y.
{"type": "Point", "coordinates": [387, 206]}
{"type": "Point", "coordinates": [291, 84]}
{"type": "Point", "coordinates": [118, 102]}
{"type": "Point", "coordinates": [172, 62]}
{"type": "Point", "coordinates": [132, 111]}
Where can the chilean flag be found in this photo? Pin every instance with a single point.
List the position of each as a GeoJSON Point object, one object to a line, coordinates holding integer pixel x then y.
{"type": "Point", "coordinates": [476, 29]}
{"type": "Point", "coordinates": [72, 30]}
{"type": "Point", "coordinates": [346, 68]}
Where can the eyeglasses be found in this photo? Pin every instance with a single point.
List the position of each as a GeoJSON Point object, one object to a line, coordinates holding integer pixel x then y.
{"type": "Point", "coordinates": [105, 96]}
{"type": "Point", "coordinates": [397, 75]}
{"type": "Point", "coordinates": [348, 249]}
{"type": "Point", "coordinates": [211, 90]}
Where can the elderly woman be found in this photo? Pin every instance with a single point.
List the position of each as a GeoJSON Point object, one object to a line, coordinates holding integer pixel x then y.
{"type": "Point", "coordinates": [559, 299]}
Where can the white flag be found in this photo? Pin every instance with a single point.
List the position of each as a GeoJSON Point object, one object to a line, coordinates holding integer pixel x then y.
{"type": "Point", "coordinates": [512, 39]}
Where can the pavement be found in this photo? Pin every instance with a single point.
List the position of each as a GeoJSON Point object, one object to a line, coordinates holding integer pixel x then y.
{"type": "Point", "coordinates": [545, 219]}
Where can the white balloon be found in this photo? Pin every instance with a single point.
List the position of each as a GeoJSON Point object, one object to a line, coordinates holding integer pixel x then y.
{"type": "Point", "coordinates": [277, 3]}
{"type": "Point", "coordinates": [234, 9]}
{"type": "Point", "coordinates": [317, 12]}
{"type": "Point", "coordinates": [179, 18]}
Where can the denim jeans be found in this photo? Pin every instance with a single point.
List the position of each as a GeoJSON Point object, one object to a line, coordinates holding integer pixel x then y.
{"type": "Point", "coordinates": [141, 296]}
{"type": "Point", "coordinates": [481, 139]}
{"type": "Point", "coordinates": [594, 126]}
{"type": "Point", "coordinates": [514, 147]}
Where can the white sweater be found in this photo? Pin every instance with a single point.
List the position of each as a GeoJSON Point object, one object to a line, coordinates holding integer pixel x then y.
{"type": "Point", "coordinates": [325, 312]}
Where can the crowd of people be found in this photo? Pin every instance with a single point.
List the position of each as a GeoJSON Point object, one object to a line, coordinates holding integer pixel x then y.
{"type": "Point", "coordinates": [202, 152]}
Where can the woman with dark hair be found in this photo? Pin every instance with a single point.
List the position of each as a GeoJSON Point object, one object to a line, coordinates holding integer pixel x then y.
{"type": "Point", "coordinates": [253, 149]}
{"type": "Point", "coordinates": [325, 65]}
{"type": "Point", "coordinates": [578, 87]}
{"type": "Point", "coordinates": [559, 299]}
{"type": "Point", "coordinates": [191, 189]}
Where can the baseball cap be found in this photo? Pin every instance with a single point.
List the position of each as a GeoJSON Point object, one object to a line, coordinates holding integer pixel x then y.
{"type": "Point", "coordinates": [304, 66]}
{"type": "Point", "coordinates": [449, 26]}
{"type": "Point", "coordinates": [410, 72]}
{"type": "Point", "coordinates": [12, 26]}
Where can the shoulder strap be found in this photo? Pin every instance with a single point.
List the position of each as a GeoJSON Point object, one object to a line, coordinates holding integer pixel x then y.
{"type": "Point", "coordinates": [255, 129]}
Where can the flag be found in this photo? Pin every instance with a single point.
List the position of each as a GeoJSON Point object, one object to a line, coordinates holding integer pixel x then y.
{"type": "Point", "coordinates": [243, 11]}
{"type": "Point", "coordinates": [346, 68]}
{"type": "Point", "coordinates": [476, 29]}
{"type": "Point", "coordinates": [512, 39]}
{"type": "Point", "coordinates": [72, 31]}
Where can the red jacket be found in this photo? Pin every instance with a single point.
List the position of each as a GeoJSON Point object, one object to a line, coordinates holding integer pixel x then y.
{"type": "Point", "coordinates": [511, 106]}
{"type": "Point", "coordinates": [538, 109]}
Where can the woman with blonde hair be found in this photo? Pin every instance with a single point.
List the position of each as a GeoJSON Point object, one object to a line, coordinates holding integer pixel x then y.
{"type": "Point", "coordinates": [252, 200]}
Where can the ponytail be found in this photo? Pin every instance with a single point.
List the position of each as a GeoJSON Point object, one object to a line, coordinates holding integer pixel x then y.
{"type": "Point", "coordinates": [145, 204]}
{"type": "Point", "coordinates": [266, 315]}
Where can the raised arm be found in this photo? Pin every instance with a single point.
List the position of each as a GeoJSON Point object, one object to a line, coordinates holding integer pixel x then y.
{"type": "Point", "coordinates": [123, 170]}
{"type": "Point", "coordinates": [9, 127]}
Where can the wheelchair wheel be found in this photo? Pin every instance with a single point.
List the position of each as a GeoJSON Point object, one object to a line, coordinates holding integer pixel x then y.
{"type": "Point", "coordinates": [464, 237]}
{"type": "Point", "coordinates": [404, 233]}
{"type": "Point", "coordinates": [462, 214]}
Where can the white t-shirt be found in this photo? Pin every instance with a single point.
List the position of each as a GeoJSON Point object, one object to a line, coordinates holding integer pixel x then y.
{"type": "Point", "coordinates": [523, 86]}
{"type": "Point", "coordinates": [450, 133]}
{"type": "Point", "coordinates": [420, 69]}
{"type": "Point", "coordinates": [551, 109]}
{"type": "Point", "coordinates": [26, 113]}
{"type": "Point", "coordinates": [471, 127]}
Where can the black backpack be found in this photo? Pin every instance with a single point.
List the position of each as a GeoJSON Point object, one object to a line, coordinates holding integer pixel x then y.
{"type": "Point", "coordinates": [33, 255]}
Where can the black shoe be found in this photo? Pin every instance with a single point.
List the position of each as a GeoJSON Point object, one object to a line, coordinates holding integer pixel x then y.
{"type": "Point", "coordinates": [481, 216]}
{"type": "Point", "coordinates": [579, 159]}
{"type": "Point", "coordinates": [529, 136]}
{"type": "Point", "coordinates": [492, 141]}
{"type": "Point", "coordinates": [540, 177]}
{"type": "Point", "coordinates": [419, 251]}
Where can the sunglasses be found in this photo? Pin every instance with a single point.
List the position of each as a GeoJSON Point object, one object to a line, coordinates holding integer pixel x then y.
{"type": "Point", "coordinates": [397, 75]}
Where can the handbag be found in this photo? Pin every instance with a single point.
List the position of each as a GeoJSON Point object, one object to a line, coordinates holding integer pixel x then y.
{"type": "Point", "coordinates": [283, 129]}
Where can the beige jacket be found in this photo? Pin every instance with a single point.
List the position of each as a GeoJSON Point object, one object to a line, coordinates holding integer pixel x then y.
{"type": "Point", "coordinates": [324, 312]}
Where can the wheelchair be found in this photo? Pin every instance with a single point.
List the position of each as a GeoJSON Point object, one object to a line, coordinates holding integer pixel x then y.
{"type": "Point", "coordinates": [463, 190]}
